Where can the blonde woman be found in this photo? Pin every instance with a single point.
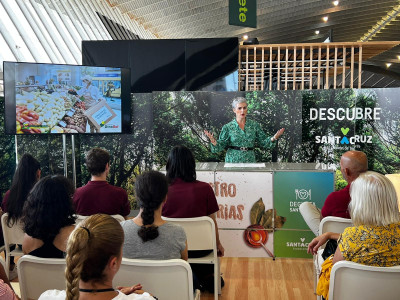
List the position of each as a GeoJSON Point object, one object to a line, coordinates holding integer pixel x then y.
{"type": "Point", "coordinates": [94, 254]}
{"type": "Point", "coordinates": [374, 239]}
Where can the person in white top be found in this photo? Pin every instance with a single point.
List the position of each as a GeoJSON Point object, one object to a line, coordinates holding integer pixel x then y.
{"type": "Point", "coordinates": [91, 95]}
{"type": "Point", "coordinates": [94, 255]}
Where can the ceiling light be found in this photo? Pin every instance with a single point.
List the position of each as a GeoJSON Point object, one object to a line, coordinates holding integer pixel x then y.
{"type": "Point", "coordinates": [325, 19]}
{"type": "Point", "coordinates": [388, 65]}
{"type": "Point", "coordinates": [398, 57]}
{"type": "Point", "coordinates": [245, 37]}
{"type": "Point", "coordinates": [316, 31]}
{"type": "Point", "coordinates": [336, 3]}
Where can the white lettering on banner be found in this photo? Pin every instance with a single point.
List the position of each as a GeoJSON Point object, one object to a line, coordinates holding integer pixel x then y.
{"type": "Point", "coordinates": [300, 244]}
{"type": "Point", "coordinates": [355, 113]}
{"type": "Point", "coordinates": [297, 244]}
{"type": "Point", "coordinates": [339, 139]}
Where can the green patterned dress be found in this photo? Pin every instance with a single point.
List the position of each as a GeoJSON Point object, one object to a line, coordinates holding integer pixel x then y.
{"type": "Point", "coordinates": [233, 135]}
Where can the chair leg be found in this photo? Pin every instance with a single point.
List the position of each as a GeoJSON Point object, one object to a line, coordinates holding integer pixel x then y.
{"type": "Point", "coordinates": [7, 264]}
{"type": "Point", "coordinates": [219, 276]}
{"type": "Point", "coordinates": [216, 281]}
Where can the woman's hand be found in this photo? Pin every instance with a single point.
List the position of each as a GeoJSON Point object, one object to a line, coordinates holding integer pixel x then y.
{"type": "Point", "coordinates": [279, 133]}
{"type": "Point", "coordinates": [211, 137]}
{"type": "Point", "coordinates": [317, 242]}
{"type": "Point", "coordinates": [137, 288]}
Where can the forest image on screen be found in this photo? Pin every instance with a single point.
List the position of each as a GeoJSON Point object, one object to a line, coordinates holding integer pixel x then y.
{"type": "Point", "coordinates": [67, 99]}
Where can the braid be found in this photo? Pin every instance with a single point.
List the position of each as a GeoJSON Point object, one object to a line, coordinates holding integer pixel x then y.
{"type": "Point", "coordinates": [76, 255]}
{"type": "Point", "coordinates": [151, 189]}
{"type": "Point", "coordinates": [150, 232]}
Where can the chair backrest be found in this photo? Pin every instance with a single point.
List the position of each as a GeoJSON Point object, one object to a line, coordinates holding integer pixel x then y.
{"type": "Point", "coordinates": [166, 279]}
{"type": "Point", "coordinates": [36, 275]}
{"type": "Point", "coordinates": [14, 234]}
{"type": "Point", "coordinates": [334, 224]}
{"type": "Point", "coordinates": [350, 280]}
{"type": "Point", "coordinates": [395, 179]}
{"type": "Point", "coordinates": [200, 232]}
{"type": "Point", "coordinates": [80, 218]}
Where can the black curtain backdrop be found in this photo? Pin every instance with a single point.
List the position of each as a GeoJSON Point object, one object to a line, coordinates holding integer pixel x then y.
{"type": "Point", "coordinates": [166, 65]}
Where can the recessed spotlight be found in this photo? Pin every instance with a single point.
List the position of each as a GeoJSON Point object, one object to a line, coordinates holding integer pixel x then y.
{"type": "Point", "coordinates": [245, 37]}
{"type": "Point", "coordinates": [325, 19]}
{"type": "Point", "coordinates": [388, 65]}
{"type": "Point", "coordinates": [336, 3]}
{"type": "Point", "coordinates": [316, 31]}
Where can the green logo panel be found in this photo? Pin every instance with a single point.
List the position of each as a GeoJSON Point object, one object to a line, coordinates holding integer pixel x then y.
{"type": "Point", "coordinates": [292, 243]}
{"type": "Point", "coordinates": [293, 188]}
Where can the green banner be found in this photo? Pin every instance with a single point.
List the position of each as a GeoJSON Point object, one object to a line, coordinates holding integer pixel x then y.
{"type": "Point", "coordinates": [243, 13]}
{"type": "Point", "coordinates": [293, 188]}
{"type": "Point", "coordinates": [292, 243]}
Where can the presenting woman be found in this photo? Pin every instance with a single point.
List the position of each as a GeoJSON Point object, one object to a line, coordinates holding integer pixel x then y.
{"type": "Point", "coordinates": [240, 135]}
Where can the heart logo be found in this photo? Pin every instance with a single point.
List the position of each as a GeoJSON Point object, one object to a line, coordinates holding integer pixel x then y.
{"type": "Point", "coordinates": [344, 130]}
{"type": "Point", "coordinates": [302, 240]}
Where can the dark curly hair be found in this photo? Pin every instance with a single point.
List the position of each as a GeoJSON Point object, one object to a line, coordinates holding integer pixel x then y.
{"type": "Point", "coordinates": [96, 161]}
{"type": "Point", "coordinates": [48, 208]}
{"type": "Point", "coordinates": [25, 177]}
{"type": "Point", "coordinates": [151, 189]}
{"type": "Point", "coordinates": [181, 164]}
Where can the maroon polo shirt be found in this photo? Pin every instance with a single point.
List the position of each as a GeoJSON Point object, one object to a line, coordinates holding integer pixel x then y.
{"type": "Point", "coordinates": [189, 200]}
{"type": "Point", "coordinates": [337, 204]}
{"type": "Point", "coordinates": [100, 197]}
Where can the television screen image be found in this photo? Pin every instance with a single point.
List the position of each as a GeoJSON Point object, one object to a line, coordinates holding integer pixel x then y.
{"type": "Point", "coordinates": [51, 98]}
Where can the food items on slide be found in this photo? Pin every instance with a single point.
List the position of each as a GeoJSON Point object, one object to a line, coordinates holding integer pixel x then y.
{"type": "Point", "coordinates": [77, 121]}
{"type": "Point", "coordinates": [255, 235]}
{"type": "Point", "coordinates": [267, 219]}
{"type": "Point", "coordinates": [40, 111]}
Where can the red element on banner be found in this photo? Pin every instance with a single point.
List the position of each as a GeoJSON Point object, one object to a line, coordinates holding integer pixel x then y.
{"type": "Point", "coordinates": [254, 235]}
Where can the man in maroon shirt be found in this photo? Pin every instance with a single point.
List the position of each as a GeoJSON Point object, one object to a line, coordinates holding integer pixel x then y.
{"type": "Point", "coordinates": [98, 196]}
{"type": "Point", "coordinates": [352, 164]}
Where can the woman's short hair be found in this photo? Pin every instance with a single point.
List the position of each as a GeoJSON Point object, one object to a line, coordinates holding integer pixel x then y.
{"type": "Point", "coordinates": [237, 101]}
{"type": "Point", "coordinates": [48, 208]}
{"type": "Point", "coordinates": [90, 246]}
{"type": "Point", "coordinates": [96, 161]}
{"type": "Point", "coordinates": [181, 164]}
{"type": "Point", "coordinates": [151, 188]}
{"type": "Point", "coordinates": [25, 177]}
{"type": "Point", "coordinates": [373, 200]}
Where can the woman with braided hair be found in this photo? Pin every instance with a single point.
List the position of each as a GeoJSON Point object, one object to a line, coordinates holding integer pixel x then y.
{"type": "Point", "coordinates": [148, 236]}
{"type": "Point", "coordinates": [93, 258]}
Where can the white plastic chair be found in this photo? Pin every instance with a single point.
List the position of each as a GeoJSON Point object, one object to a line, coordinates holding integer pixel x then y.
{"type": "Point", "coordinates": [80, 218]}
{"type": "Point", "coordinates": [200, 234]}
{"type": "Point", "coordinates": [12, 235]}
{"type": "Point", "coordinates": [350, 280]}
{"type": "Point", "coordinates": [395, 179]}
{"type": "Point", "coordinates": [328, 224]}
{"type": "Point", "coordinates": [37, 275]}
{"type": "Point", "coordinates": [166, 279]}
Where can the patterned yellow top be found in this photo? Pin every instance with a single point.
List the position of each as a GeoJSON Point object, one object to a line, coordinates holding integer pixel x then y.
{"type": "Point", "coordinates": [371, 245]}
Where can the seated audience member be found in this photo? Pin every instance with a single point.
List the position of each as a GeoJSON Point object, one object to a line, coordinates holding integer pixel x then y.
{"type": "Point", "coordinates": [93, 258]}
{"type": "Point", "coordinates": [352, 164]}
{"type": "Point", "coordinates": [48, 217]}
{"type": "Point", "coordinates": [188, 197]}
{"type": "Point", "coordinates": [25, 177]}
{"type": "Point", "coordinates": [98, 196]}
{"type": "Point", "coordinates": [148, 236]}
{"type": "Point", "coordinates": [374, 239]}
{"type": "Point", "coordinates": [6, 290]}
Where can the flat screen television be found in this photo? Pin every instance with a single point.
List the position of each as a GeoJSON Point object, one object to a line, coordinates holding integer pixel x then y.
{"type": "Point", "coordinates": [56, 99]}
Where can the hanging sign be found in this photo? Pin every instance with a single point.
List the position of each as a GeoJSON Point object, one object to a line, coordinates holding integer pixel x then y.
{"type": "Point", "coordinates": [243, 13]}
